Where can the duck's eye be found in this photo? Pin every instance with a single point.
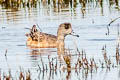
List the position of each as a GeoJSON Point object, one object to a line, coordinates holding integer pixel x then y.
{"type": "Point", "coordinates": [66, 26]}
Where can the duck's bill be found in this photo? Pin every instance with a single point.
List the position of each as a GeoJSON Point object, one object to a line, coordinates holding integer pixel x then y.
{"type": "Point", "coordinates": [74, 34]}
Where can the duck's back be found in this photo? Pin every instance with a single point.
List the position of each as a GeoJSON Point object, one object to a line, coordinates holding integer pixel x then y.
{"type": "Point", "coordinates": [41, 40]}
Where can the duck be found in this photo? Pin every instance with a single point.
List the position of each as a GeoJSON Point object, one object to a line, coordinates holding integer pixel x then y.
{"type": "Point", "coordinates": [39, 39]}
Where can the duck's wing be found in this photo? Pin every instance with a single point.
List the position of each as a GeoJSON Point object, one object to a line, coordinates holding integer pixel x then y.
{"type": "Point", "coordinates": [49, 38]}
{"type": "Point", "coordinates": [40, 36]}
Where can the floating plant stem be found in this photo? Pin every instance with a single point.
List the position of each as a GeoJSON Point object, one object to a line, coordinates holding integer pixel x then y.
{"type": "Point", "coordinates": [110, 24]}
{"type": "Point", "coordinates": [6, 54]}
{"type": "Point", "coordinates": [39, 68]}
{"type": "Point", "coordinates": [42, 64]}
{"type": "Point", "coordinates": [49, 62]}
{"type": "Point", "coordinates": [56, 65]}
{"type": "Point", "coordinates": [46, 68]}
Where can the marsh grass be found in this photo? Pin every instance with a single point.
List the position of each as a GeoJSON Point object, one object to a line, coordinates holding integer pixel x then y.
{"type": "Point", "coordinates": [83, 65]}
{"type": "Point", "coordinates": [56, 3]}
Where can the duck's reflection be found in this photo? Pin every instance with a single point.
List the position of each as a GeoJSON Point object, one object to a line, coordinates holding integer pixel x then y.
{"type": "Point", "coordinates": [36, 53]}
{"type": "Point", "coordinates": [63, 56]}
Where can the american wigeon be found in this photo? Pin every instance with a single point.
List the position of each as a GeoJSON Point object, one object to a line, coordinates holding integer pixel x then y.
{"type": "Point", "coordinates": [43, 40]}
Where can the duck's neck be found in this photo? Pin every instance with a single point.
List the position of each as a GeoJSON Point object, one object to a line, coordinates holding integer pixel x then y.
{"type": "Point", "coordinates": [60, 44]}
{"type": "Point", "coordinates": [60, 40]}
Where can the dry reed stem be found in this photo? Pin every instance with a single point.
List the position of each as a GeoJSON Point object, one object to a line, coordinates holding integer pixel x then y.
{"type": "Point", "coordinates": [21, 77]}
{"type": "Point", "coordinates": [28, 76]}
{"type": "Point", "coordinates": [82, 62]}
{"type": "Point", "coordinates": [117, 54]}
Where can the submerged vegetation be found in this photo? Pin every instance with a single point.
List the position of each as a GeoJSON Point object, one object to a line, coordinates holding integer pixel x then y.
{"type": "Point", "coordinates": [82, 67]}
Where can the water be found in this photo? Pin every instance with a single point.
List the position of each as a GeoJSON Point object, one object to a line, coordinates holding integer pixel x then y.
{"type": "Point", "coordinates": [88, 22]}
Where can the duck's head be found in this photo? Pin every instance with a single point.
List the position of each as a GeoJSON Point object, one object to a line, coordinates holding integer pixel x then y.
{"type": "Point", "coordinates": [65, 29]}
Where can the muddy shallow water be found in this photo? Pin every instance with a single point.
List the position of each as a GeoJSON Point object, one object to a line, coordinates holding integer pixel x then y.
{"type": "Point", "coordinates": [89, 23]}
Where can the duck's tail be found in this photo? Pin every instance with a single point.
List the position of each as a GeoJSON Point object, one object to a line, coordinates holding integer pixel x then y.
{"type": "Point", "coordinates": [34, 29]}
{"type": "Point", "coordinates": [32, 33]}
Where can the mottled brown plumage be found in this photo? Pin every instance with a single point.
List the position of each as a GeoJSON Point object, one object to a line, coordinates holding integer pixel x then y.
{"type": "Point", "coordinates": [44, 40]}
